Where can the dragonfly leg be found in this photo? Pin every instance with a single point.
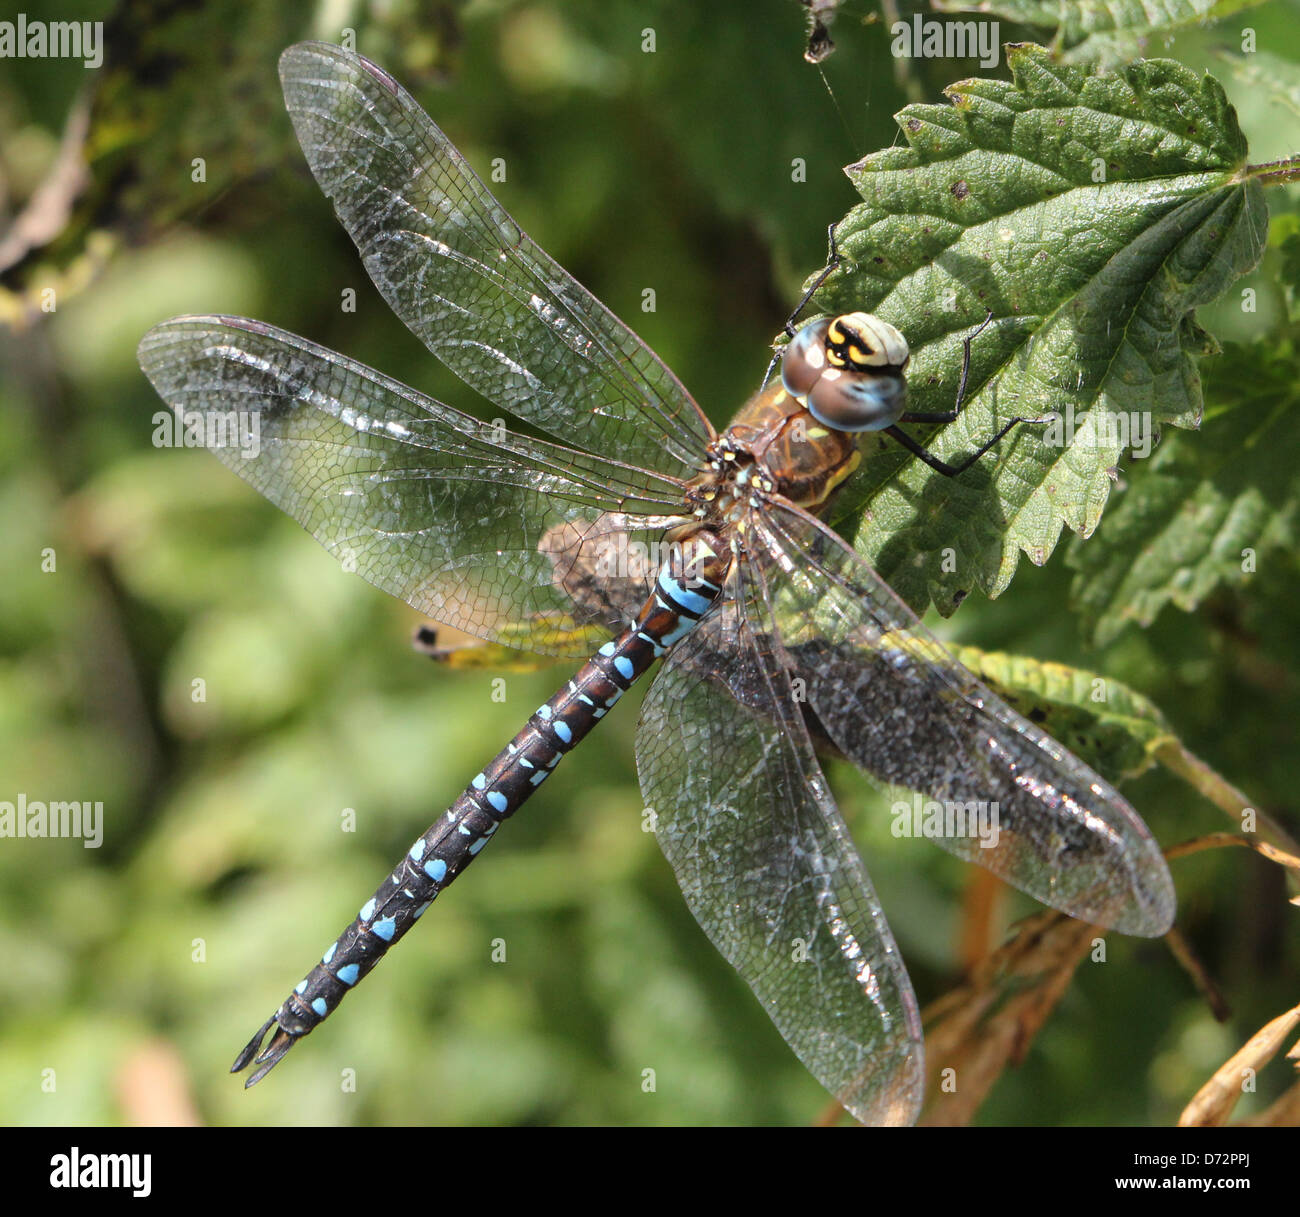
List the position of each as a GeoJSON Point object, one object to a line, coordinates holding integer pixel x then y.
{"type": "Point", "coordinates": [833, 260]}
{"type": "Point", "coordinates": [941, 466]}
{"type": "Point", "coordinates": [948, 416]}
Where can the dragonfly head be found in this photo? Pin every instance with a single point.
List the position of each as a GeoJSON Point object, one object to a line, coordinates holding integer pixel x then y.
{"type": "Point", "coordinates": [849, 371]}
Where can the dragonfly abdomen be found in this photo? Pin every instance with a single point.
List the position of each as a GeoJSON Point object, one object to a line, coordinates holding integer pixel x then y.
{"type": "Point", "coordinates": [686, 589]}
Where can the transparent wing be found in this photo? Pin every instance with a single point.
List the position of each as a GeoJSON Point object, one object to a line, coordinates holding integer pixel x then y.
{"type": "Point", "coordinates": [471, 524]}
{"type": "Point", "coordinates": [468, 282]}
{"type": "Point", "coordinates": [997, 790]}
{"type": "Point", "coordinates": [767, 866]}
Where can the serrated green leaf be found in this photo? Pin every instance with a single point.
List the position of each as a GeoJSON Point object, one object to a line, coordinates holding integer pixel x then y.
{"type": "Point", "coordinates": [992, 207]}
{"type": "Point", "coordinates": [1103, 722]}
{"type": "Point", "coordinates": [1114, 729]}
{"type": "Point", "coordinates": [1086, 29]}
{"type": "Point", "coordinates": [1209, 509]}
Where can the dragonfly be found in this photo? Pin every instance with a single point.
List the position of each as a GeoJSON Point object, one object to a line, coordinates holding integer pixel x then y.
{"type": "Point", "coordinates": [636, 534]}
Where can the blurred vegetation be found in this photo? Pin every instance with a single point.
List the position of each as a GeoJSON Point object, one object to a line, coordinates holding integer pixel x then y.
{"type": "Point", "coordinates": [669, 170]}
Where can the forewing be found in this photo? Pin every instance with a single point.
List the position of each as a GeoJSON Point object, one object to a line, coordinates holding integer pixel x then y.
{"type": "Point", "coordinates": [887, 695]}
{"type": "Point", "coordinates": [472, 525]}
{"type": "Point", "coordinates": [767, 866]}
{"type": "Point", "coordinates": [468, 282]}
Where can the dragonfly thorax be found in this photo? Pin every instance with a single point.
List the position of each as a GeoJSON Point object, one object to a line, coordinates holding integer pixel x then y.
{"type": "Point", "coordinates": [775, 445]}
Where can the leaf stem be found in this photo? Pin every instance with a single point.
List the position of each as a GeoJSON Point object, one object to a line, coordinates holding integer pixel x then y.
{"type": "Point", "coordinates": [1275, 173]}
{"type": "Point", "coordinates": [1197, 774]}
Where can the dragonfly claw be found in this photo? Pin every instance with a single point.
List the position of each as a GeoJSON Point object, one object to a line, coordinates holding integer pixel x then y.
{"type": "Point", "coordinates": [267, 1058]}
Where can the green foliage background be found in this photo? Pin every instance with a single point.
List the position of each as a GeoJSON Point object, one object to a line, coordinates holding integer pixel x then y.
{"type": "Point", "coordinates": [669, 171]}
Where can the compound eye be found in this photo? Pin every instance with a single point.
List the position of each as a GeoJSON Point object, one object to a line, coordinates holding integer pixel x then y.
{"type": "Point", "coordinates": [857, 401]}
{"type": "Point", "coordinates": [804, 359]}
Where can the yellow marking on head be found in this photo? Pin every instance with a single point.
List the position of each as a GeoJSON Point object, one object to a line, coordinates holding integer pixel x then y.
{"type": "Point", "coordinates": [834, 357]}
{"type": "Point", "coordinates": [834, 332]}
{"type": "Point", "coordinates": [816, 433]}
{"type": "Point", "coordinates": [779, 397]}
